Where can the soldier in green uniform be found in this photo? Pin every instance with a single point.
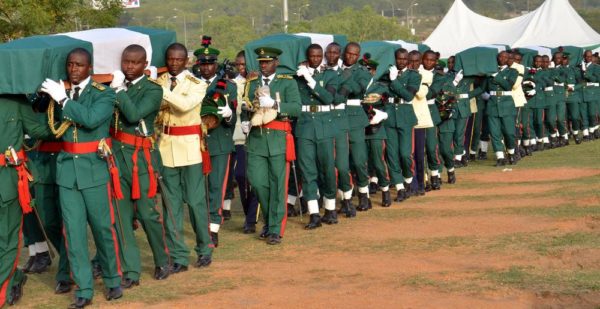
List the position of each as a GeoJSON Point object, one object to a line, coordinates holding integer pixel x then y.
{"type": "Point", "coordinates": [501, 110]}
{"type": "Point", "coordinates": [85, 190]}
{"type": "Point", "coordinates": [574, 96]}
{"type": "Point", "coordinates": [562, 134]}
{"type": "Point", "coordinates": [551, 102]}
{"type": "Point", "coordinates": [591, 91]}
{"type": "Point", "coordinates": [270, 145]}
{"type": "Point", "coordinates": [534, 84]}
{"type": "Point", "coordinates": [314, 135]}
{"type": "Point", "coordinates": [138, 101]}
{"type": "Point", "coordinates": [219, 139]}
{"type": "Point", "coordinates": [405, 82]}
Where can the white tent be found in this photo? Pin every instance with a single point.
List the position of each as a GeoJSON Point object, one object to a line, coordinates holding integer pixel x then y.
{"type": "Point", "coordinates": [553, 24]}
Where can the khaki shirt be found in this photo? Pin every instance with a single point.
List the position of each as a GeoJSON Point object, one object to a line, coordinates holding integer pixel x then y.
{"type": "Point", "coordinates": [419, 103]}
{"type": "Point", "coordinates": [517, 91]}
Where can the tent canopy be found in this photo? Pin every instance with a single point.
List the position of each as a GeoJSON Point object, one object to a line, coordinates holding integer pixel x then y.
{"type": "Point", "coordinates": [554, 23]}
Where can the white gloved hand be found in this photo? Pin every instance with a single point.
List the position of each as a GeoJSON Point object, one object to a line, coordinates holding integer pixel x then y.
{"type": "Point", "coordinates": [459, 76]}
{"type": "Point", "coordinates": [303, 71]}
{"type": "Point", "coordinates": [225, 111]}
{"type": "Point", "coordinates": [570, 88]}
{"type": "Point", "coordinates": [55, 90]}
{"type": "Point", "coordinates": [153, 72]}
{"type": "Point", "coordinates": [378, 117]}
{"type": "Point", "coordinates": [245, 126]}
{"type": "Point", "coordinates": [394, 72]}
{"type": "Point", "coordinates": [494, 75]}
{"type": "Point", "coordinates": [266, 101]}
{"type": "Point", "coordinates": [530, 83]}
{"type": "Point", "coordinates": [486, 96]}
{"type": "Point", "coordinates": [531, 92]}
{"type": "Point", "coordinates": [551, 65]}
{"type": "Point", "coordinates": [118, 79]}
{"type": "Point", "coordinates": [583, 66]}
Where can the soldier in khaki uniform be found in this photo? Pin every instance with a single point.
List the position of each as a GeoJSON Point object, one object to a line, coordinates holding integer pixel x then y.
{"type": "Point", "coordinates": [179, 144]}
{"type": "Point", "coordinates": [514, 61]}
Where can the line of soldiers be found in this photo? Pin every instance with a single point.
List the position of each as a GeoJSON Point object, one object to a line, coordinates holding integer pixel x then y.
{"type": "Point", "coordinates": [99, 154]}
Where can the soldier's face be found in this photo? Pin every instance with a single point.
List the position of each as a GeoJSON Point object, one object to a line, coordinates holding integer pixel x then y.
{"type": "Point", "coordinates": [78, 68]}
{"type": "Point", "coordinates": [587, 56]}
{"type": "Point", "coordinates": [133, 64]}
{"type": "Point", "coordinates": [565, 61]}
{"type": "Point", "coordinates": [502, 58]}
{"type": "Point", "coordinates": [240, 65]}
{"type": "Point", "coordinates": [517, 58]}
{"type": "Point", "coordinates": [429, 61]}
{"type": "Point", "coordinates": [451, 63]}
{"type": "Point", "coordinates": [315, 57]}
{"type": "Point", "coordinates": [545, 62]}
{"type": "Point", "coordinates": [401, 60]}
{"type": "Point", "coordinates": [176, 60]}
{"type": "Point", "coordinates": [537, 62]}
{"type": "Point", "coordinates": [268, 67]}
{"type": "Point", "coordinates": [351, 54]}
{"type": "Point", "coordinates": [332, 55]}
{"type": "Point", "coordinates": [208, 70]}
{"type": "Point", "coordinates": [511, 59]}
{"type": "Point", "coordinates": [557, 58]}
{"type": "Point", "coordinates": [414, 61]}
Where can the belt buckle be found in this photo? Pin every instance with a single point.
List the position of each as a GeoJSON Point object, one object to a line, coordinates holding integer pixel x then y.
{"type": "Point", "coordinates": [313, 108]}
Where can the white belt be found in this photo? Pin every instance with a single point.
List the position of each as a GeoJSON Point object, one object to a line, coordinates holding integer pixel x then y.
{"type": "Point", "coordinates": [571, 85]}
{"type": "Point", "coordinates": [341, 106]}
{"type": "Point", "coordinates": [463, 96]}
{"type": "Point", "coordinates": [315, 108]}
{"type": "Point", "coordinates": [549, 88]}
{"type": "Point", "coordinates": [353, 102]}
{"type": "Point", "coordinates": [398, 101]}
{"type": "Point", "coordinates": [559, 84]}
{"type": "Point", "coordinates": [500, 93]}
{"type": "Point", "coordinates": [431, 102]}
{"type": "Point", "coordinates": [592, 84]}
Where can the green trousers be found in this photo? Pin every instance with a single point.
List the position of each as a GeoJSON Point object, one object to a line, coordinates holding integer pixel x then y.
{"type": "Point", "coordinates": [538, 122]}
{"type": "Point", "coordinates": [398, 153]}
{"type": "Point", "coordinates": [550, 118]}
{"type": "Point", "coordinates": [588, 114]}
{"type": "Point", "coordinates": [561, 117]}
{"type": "Point", "coordinates": [217, 184]}
{"type": "Point", "coordinates": [11, 223]}
{"type": "Point", "coordinates": [502, 128]}
{"type": "Point", "coordinates": [574, 115]}
{"type": "Point", "coordinates": [431, 148]}
{"type": "Point", "coordinates": [147, 211]}
{"type": "Point", "coordinates": [342, 156]}
{"type": "Point", "coordinates": [268, 177]}
{"type": "Point", "coordinates": [527, 123]}
{"type": "Point", "coordinates": [460, 125]}
{"type": "Point", "coordinates": [446, 139]}
{"type": "Point", "coordinates": [377, 150]}
{"type": "Point", "coordinates": [359, 156]}
{"type": "Point", "coordinates": [93, 206]}
{"type": "Point", "coordinates": [186, 184]}
{"type": "Point", "coordinates": [314, 157]}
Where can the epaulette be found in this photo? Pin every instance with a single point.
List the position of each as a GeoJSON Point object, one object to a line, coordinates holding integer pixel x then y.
{"type": "Point", "coordinates": [154, 81]}
{"type": "Point", "coordinates": [284, 76]}
{"type": "Point", "coordinates": [193, 79]}
{"type": "Point", "coordinates": [251, 78]}
{"type": "Point", "coordinates": [98, 86]}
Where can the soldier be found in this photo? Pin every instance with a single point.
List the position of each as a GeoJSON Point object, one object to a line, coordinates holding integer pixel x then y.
{"type": "Point", "coordinates": [501, 111]}
{"type": "Point", "coordinates": [535, 82]}
{"type": "Point", "coordinates": [270, 144]}
{"type": "Point", "coordinates": [591, 89]}
{"type": "Point", "coordinates": [405, 83]}
{"type": "Point", "coordinates": [86, 115]}
{"type": "Point", "coordinates": [180, 150]}
{"type": "Point", "coordinates": [220, 138]}
{"type": "Point", "coordinates": [514, 62]}
{"type": "Point", "coordinates": [138, 101]}
{"type": "Point", "coordinates": [314, 135]}
{"type": "Point", "coordinates": [561, 137]}
{"type": "Point", "coordinates": [574, 95]}
{"type": "Point", "coordinates": [551, 102]}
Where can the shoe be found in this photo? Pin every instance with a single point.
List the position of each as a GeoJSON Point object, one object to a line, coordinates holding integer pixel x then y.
{"type": "Point", "coordinates": [330, 217]}
{"type": "Point", "coordinates": [96, 270]}
{"type": "Point", "coordinates": [41, 263]}
{"type": "Point", "coordinates": [427, 187]}
{"type": "Point", "coordinates": [409, 192]}
{"type": "Point", "coordinates": [63, 287]}
{"type": "Point", "coordinates": [203, 261]}
{"type": "Point", "coordinates": [565, 142]}
{"type": "Point", "coordinates": [249, 229]}
{"type": "Point", "coordinates": [129, 283]}
{"type": "Point", "coordinates": [540, 147]}
{"type": "Point", "coordinates": [226, 215]}
{"type": "Point", "coordinates": [17, 291]}
{"type": "Point", "coordinates": [291, 211]}
{"type": "Point", "coordinates": [451, 177]}
{"type": "Point", "coordinates": [586, 138]}
{"type": "Point", "coordinates": [363, 202]}
{"type": "Point", "coordinates": [214, 237]}
{"type": "Point", "coordinates": [264, 233]}
{"type": "Point", "coordinates": [577, 140]}
{"type": "Point", "coordinates": [547, 146]}
{"type": "Point", "coordinates": [511, 159]}
{"type": "Point", "coordinates": [161, 273]}
{"type": "Point", "coordinates": [80, 302]}
{"type": "Point", "coordinates": [472, 157]}
{"type": "Point", "coordinates": [482, 155]}
{"type": "Point", "coordinates": [421, 192]}
{"type": "Point", "coordinates": [273, 239]}
{"type": "Point", "coordinates": [465, 161]}
{"type": "Point", "coordinates": [500, 162]}
{"type": "Point", "coordinates": [348, 209]}
{"type": "Point", "coordinates": [178, 268]}
{"type": "Point", "coordinates": [386, 199]}
{"type": "Point", "coordinates": [436, 182]}
{"type": "Point", "coordinates": [27, 266]}
{"type": "Point", "coordinates": [553, 143]}
{"type": "Point", "coordinates": [114, 293]}
{"type": "Point", "coordinates": [523, 151]}
{"type": "Point", "coordinates": [303, 205]}
{"type": "Point", "coordinates": [529, 151]}
{"type": "Point", "coordinates": [373, 188]}
{"type": "Point", "coordinates": [458, 163]}
{"type": "Point", "coordinates": [315, 222]}
{"type": "Point", "coordinates": [400, 196]}
{"type": "Point", "coordinates": [517, 156]}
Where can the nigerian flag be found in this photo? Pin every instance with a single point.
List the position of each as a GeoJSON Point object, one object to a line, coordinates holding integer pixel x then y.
{"type": "Point", "coordinates": [26, 62]}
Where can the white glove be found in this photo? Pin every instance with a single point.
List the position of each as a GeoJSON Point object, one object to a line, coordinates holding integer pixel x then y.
{"type": "Point", "coordinates": [494, 75]}
{"type": "Point", "coordinates": [531, 92]}
{"type": "Point", "coordinates": [153, 72]}
{"type": "Point", "coordinates": [393, 72]}
{"type": "Point", "coordinates": [551, 65]}
{"type": "Point", "coordinates": [486, 96]}
{"type": "Point", "coordinates": [528, 82]}
{"type": "Point", "coordinates": [570, 88]}
{"type": "Point", "coordinates": [55, 90]}
{"type": "Point", "coordinates": [118, 79]}
{"type": "Point", "coordinates": [303, 71]}
{"type": "Point", "coordinates": [459, 76]}
{"type": "Point", "coordinates": [266, 101]}
{"type": "Point", "coordinates": [378, 117]}
{"type": "Point", "coordinates": [225, 111]}
{"type": "Point", "coordinates": [583, 66]}
{"type": "Point", "coordinates": [245, 126]}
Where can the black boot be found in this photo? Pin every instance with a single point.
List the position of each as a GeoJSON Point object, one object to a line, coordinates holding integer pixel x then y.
{"type": "Point", "coordinates": [351, 212]}
{"type": "Point", "coordinates": [435, 183]}
{"type": "Point", "coordinates": [464, 161]}
{"type": "Point", "coordinates": [522, 151]}
{"type": "Point", "coordinates": [315, 222]}
{"type": "Point", "coordinates": [458, 163]}
{"type": "Point", "coordinates": [27, 266]}
{"type": "Point", "coordinates": [215, 238]}
{"type": "Point", "coordinates": [540, 146]}
{"type": "Point", "coordinates": [400, 196]}
{"type": "Point", "coordinates": [451, 177]}
{"type": "Point", "coordinates": [226, 214]}
{"type": "Point", "coordinates": [428, 186]}
{"type": "Point", "coordinates": [330, 217]}
{"type": "Point", "coordinates": [304, 205]}
{"type": "Point", "coordinates": [472, 157]}
{"type": "Point", "coordinates": [500, 162]}
{"type": "Point", "coordinates": [41, 263]}
{"type": "Point", "coordinates": [511, 159]}
{"type": "Point", "coordinates": [386, 199]}
{"type": "Point", "coordinates": [363, 202]}
{"type": "Point", "coordinates": [373, 188]}
{"type": "Point", "coordinates": [482, 155]}
{"type": "Point", "coordinates": [409, 192]}
{"type": "Point", "coordinates": [577, 139]}
{"type": "Point", "coordinates": [291, 211]}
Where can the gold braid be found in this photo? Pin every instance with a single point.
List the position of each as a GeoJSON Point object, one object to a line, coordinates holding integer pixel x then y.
{"type": "Point", "coordinates": [64, 126]}
{"type": "Point", "coordinates": [35, 145]}
{"type": "Point", "coordinates": [116, 112]}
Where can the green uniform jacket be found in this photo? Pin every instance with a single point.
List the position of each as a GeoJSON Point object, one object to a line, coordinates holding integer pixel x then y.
{"type": "Point", "coordinates": [550, 75]}
{"type": "Point", "coordinates": [141, 101]}
{"type": "Point", "coordinates": [382, 88]}
{"type": "Point", "coordinates": [463, 106]}
{"type": "Point", "coordinates": [502, 106]}
{"type": "Point", "coordinates": [591, 75]}
{"type": "Point", "coordinates": [340, 119]}
{"type": "Point", "coordinates": [319, 125]}
{"type": "Point", "coordinates": [220, 139]}
{"type": "Point", "coordinates": [91, 114]}
{"type": "Point", "coordinates": [260, 141]}
{"type": "Point", "coordinates": [439, 80]}
{"type": "Point", "coordinates": [538, 100]}
{"type": "Point", "coordinates": [404, 87]}
{"type": "Point", "coordinates": [353, 84]}
{"type": "Point", "coordinates": [574, 77]}
{"type": "Point", "coordinates": [560, 77]}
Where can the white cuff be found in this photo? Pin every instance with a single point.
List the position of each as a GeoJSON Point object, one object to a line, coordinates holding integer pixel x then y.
{"type": "Point", "coordinates": [329, 204]}
{"type": "Point", "coordinates": [348, 195]}
{"type": "Point", "coordinates": [313, 207]}
{"type": "Point", "coordinates": [291, 199]}
{"type": "Point", "coordinates": [214, 227]}
{"type": "Point", "coordinates": [227, 204]}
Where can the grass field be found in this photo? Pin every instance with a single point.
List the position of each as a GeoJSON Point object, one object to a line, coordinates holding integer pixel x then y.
{"type": "Point", "coordinates": [528, 237]}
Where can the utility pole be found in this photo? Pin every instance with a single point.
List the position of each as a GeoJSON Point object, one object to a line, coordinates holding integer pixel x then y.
{"type": "Point", "coordinates": [285, 16]}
